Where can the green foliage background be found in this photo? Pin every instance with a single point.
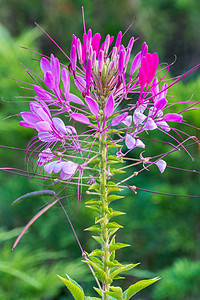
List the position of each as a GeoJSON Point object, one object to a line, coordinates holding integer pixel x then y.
{"type": "Point", "coordinates": [164, 231]}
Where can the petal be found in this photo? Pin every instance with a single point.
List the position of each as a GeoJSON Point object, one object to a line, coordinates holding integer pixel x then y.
{"type": "Point", "coordinates": [80, 83]}
{"type": "Point", "coordinates": [59, 125]}
{"type": "Point", "coordinates": [45, 65]}
{"type": "Point", "coordinates": [50, 167]}
{"type": "Point", "coordinates": [43, 126]}
{"type": "Point", "coordinates": [128, 121]}
{"type": "Point", "coordinates": [130, 142]}
{"type": "Point", "coordinates": [25, 124]}
{"type": "Point", "coordinates": [95, 42]}
{"type": "Point", "coordinates": [140, 144]}
{"type": "Point", "coordinates": [75, 99]}
{"type": "Point", "coordinates": [49, 80]}
{"type": "Point", "coordinates": [150, 124]}
{"type": "Point", "coordinates": [30, 117]}
{"type": "Point", "coordinates": [55, 68]}
{"type": "Point", "coordinates": [142, 78]}
{"type": "Point", "coordinates": [138, 118]}
{"type": "Point", "coordinates": [161, 103]}
{"type": "Point", "coordinates": [119, 119]}
{"type": "Point", "coordinates": [161, 164]}
{"type": "Point", "coordinates": [172, 117]}
{"type": "Point", "coordinates": [65, 80]}
{"type": "Point", "coordinates": [93, 106]}
{"type": "Point", "coordinates": [163, 125]}
{"type": "Point", "coordinates": [109, 107]}
{"type": "Point", "coordinates": [47, 137]}
{"type": "Point", "coordinates": [136, 63]}
{"type": "Point", "coordinates": [80, 118]}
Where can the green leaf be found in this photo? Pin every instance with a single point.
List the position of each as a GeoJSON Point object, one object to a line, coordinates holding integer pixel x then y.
{"type": "Point", "coordinates": [114, 213]}
{"type": "Point", "coordinates": [97, 253]}
{"type": "Point", "coordinates": [114, 171]}
{"type": "Point", "coordinates": [92, 298]}
{"type": "Point", "coordinates": [118, 291]}
{"type": "Point", "coordinates": [117, 246]}
{"type": "Point", "coordinates": [73, 287]}
{"type": "Point", "coordinates": [113, 225]}
{"type": "Point", "coordinates": [93, 228]}
{"type": "Point", "coordinates": [97, 290]}
{"type": "Point", "coordinates": [111, 198]}
{"type": "Point", "coordinates": [93, 207]}
{"type": "Point", "coordinates": [33, 194]}
{"type": "Point", "coordinates": [112, 231]}
{"type": "Point", "coordinates": [114, 264]}
{"type": "Point", "coordinates": [111, 187]}
{"type": "Point", "coordinates": [113, 296]}
{"type": "Point", "coordinates": [94, 186]}
{"type": "Point", "coordinates": [98, 239]}
{"type": "Point", "coordinates": [122, 269]}
{"type": "Point", "coordinates": [138, 286]}
{"type": "Point", "coordinates": [94, 201]}
{"type": "Point", "coordinates": [98, 270]}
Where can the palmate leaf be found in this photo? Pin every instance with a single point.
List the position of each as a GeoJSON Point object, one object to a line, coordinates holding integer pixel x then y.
{"type": "Point", "coordinates": [74, 288]}
{"type": "Point", "coordinates": [138, 286]}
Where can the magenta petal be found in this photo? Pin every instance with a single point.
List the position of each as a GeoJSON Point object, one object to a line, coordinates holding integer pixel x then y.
{"type": "Point", "coordinates": [80, 83]}
{"type": "Point", "coordinates": [43, 126]}
{"type": "Point", "coordinates": [45, 65]}
{"type": "Point", "coordinates": [59, 125]}
{"type": "Point", "coordinates": [66, 80]}
{"type": "Point", "coordinates": [109, 107]}
{"type": "Point", "coordinates": [172, 117]}
{"type": "Point", "coordinates": [93, 106]}
{"type": "Point", "coordinates": [25, 124]}
{"type": "Point", "coordinates": [161, 103]}
{"type": "Point", "coordinates": [142, 78]}
{"type": "Point", "coordinates": [55, 68]}
{"type": "Point", "coordinates": [30, 117]}
{"type": "Point", "coordinates": [75, 99]}
{"type": "Point", "coordinates": [161, 164]}
{"type": "Point", "coordinates": [49, 80]}
{"type": "Point", "coordinates": [119, 119]}
{"type": "Point", "coordinates": [95, 42]}
{"type": "Point", "coordinates": [80, 118]}
{"type": "Point", "coordinates": [136, 63]}
{"type": "Point", "coordinates": [40, 91]}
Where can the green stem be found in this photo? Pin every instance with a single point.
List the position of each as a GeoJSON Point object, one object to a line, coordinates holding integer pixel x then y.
{"type": "Point", "coordinates": [103, 214]}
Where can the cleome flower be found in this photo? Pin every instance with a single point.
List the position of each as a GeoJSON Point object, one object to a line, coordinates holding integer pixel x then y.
{"type": "Point", "coordinates": [99, 70]}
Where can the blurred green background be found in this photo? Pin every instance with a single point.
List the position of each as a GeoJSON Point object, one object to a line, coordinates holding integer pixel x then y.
{"type": "Point", "coordinates": [164, 231]}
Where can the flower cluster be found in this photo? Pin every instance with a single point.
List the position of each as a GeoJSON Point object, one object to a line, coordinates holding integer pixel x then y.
{"type": "Point", "coordinates": [91, 131]}
{"type": "Point", "coordinates": [100, 73]}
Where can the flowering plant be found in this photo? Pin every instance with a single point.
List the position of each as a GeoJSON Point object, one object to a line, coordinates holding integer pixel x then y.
{"type": "Point", "coordinates": [94, 133]}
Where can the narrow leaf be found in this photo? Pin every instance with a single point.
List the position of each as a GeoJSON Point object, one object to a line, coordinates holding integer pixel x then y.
{"type": "Point", "coordinates": [111, 198]}
{"type": "Point", "coordinates": [75, 289]}
{"type": "Point", "coordinates": [33, 194]}
{"type": "Point", "coordinates": [138, 286]}
{"type": "Point", "coordinates": [117, 246]}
